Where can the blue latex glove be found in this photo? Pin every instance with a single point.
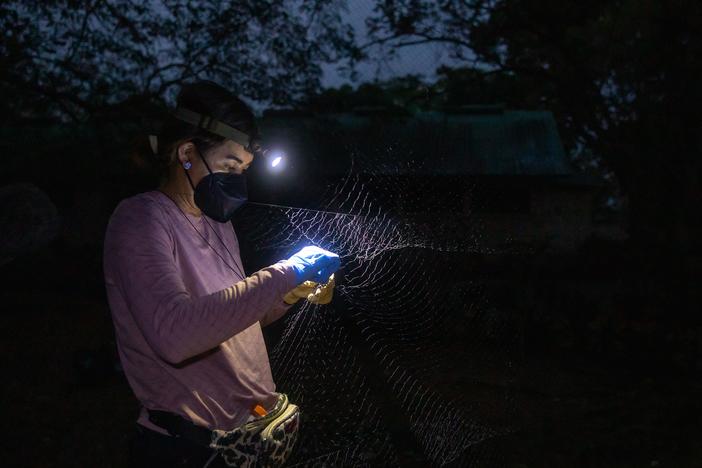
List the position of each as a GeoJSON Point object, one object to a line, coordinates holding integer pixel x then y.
{"type": "Point", "coordinates": [314, 264]}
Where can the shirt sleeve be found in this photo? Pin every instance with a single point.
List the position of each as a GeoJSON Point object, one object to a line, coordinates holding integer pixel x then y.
{"type": "Point", "coordinates": [140, 261]}
{"type": "Point", "coordinates": [279, 309]}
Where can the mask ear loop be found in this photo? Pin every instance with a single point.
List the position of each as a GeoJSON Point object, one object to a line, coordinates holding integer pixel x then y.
{"type": "Point", "coordinates": [187, 174]}
{"type": "Point", "coordinates": [189, 179]}
{"type": "Point", "coordinates": [202, 156]}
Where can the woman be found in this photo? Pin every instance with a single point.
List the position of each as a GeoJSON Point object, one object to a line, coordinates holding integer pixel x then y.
{"type": "Point", "coordinates": [187, 320]}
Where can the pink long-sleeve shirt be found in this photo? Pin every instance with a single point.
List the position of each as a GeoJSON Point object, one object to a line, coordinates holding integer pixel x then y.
{"type": "Point", "coordinates": [188, 328]}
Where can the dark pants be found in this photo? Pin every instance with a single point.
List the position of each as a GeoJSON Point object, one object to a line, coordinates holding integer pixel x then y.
{"type": "Point", "coordinates": [151, 449]}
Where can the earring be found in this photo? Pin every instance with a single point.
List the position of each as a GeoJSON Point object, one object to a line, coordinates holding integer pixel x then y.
{"type": "Point", "coordinates": [187, 165]}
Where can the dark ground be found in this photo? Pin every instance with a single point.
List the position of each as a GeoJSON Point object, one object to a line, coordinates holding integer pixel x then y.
{"type": "Point", "coordinates": [609, 374]}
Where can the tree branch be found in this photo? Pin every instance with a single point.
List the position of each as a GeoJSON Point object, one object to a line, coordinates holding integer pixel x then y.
{"type": "Point", "coordinates": [426, 38]}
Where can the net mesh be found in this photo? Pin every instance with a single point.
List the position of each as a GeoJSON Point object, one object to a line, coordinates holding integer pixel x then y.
{"type": "Point", "coordinates": [409, 365]}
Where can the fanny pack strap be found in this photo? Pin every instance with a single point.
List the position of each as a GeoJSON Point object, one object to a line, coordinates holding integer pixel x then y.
{"type": "Point", "coordinates": [177, 426]}
{"type": "Point", "coordinates": [180, 427]}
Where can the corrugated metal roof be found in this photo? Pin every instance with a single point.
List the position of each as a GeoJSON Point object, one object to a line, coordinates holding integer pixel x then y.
{"type": "Point", "coordinates": [507, 143]}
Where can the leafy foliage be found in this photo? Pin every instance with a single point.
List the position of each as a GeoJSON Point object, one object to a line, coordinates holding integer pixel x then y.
{"type": "Point", "coordinates": [77, 60]}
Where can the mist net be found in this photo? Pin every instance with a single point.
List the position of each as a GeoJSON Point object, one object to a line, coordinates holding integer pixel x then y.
{"type": "Point", "coordinates": [409, 365]}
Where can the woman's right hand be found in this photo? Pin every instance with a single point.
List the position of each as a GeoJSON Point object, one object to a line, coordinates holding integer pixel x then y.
{"type": "Point", "coordinates": [314, 264]}
{"type": "Point", "coordinates": [314, 293]}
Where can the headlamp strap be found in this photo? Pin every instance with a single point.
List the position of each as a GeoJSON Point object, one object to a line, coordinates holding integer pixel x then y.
{"type": "Point", "coordinates": [212, 125]}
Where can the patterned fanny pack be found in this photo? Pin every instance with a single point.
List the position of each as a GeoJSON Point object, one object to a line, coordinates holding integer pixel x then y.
{"type": "Point", "coordinates": [264, 442]}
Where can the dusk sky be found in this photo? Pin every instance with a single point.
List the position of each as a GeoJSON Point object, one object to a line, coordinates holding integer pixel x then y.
{"type": "Point", "coordinates": [420, 59]}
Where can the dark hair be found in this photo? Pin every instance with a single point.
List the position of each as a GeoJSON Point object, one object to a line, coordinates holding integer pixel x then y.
{"type": "Point", "coordinates": [203, 97]}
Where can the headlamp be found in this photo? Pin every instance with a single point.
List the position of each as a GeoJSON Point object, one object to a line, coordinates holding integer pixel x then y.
{"type": "Point", "coordinates": [274, 158]}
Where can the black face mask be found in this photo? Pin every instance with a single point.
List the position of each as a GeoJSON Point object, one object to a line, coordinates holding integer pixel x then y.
{"type": "Point", "coordinates": [220, 194]}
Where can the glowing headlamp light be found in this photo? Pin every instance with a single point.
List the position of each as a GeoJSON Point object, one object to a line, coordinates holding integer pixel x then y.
{"type": "Point", "coordinates": [274, 158]}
